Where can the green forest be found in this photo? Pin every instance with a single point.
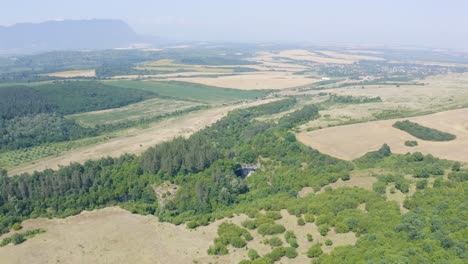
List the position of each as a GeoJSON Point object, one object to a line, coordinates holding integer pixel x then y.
{"type": "Point", "coordinates": [204, 166]}
{"type": "Point", "coordinates": [34, 115]}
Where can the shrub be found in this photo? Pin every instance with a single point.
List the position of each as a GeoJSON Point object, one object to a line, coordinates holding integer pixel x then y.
{"type": "Point", "coordinates": [458, 176]}
{"type": "Point", "coordinates": [403, 186]}
{"type": "Point", "coordinates": [422, 173]}
{"type": "Point", "coordinates": [300, 221]}
{"type": "Point", "coordinates": [249, 224]}
{"type": "Point", "coordinates": [290, 252]}
{"type": "Point", "coordinates": [252, 254]}
{"type": "Point", "coordinates": [310, 238]}
{"type": "Point", "coordinates": [192, 224]}
{"type": "Point", "coordinates": [456, 166]}
{"type": "Point", "coordinates": [218, 249]}
{"type": "Point", "coordinates": [411, 143]}
{"type": "Point", "coordinates": [273, 215]}
{"type": "Point", "coordinates": [328, 242]}
{"type": "Point", "coordinates": [314, 251]}
{"type": "Point", "coordinates": [421, 184]}
{"type": "Point", "coordinates": [276, 254]}
{"type": "Point", "coordinates": [293, 242]}
{"type": "Point", "coordinates": [379, 187]}
{"type": "Point", "coordinates": [264, 260]}
{"type": "Point", "coordinates": [346, 177]}
{"type": "Point", "coordinates": [309, 218]}
{"type": "Point", "coordinates": [230, 233]}
{"type": "Point", "coordinates": [275, 242]}
{"type": "Point", "coordinates": [270, 229]}
{"type": "Point", "coordinates": [245, 261]}
{"type": "Point", "coordinates": [238, 242]}
{"type": "Point", "coordinates": [289, 234]}
{"type": "Point", "coordinates": [17, 226]}
{"type": "Point", "coordinates": [323, 229]}
{"type": "Point", "coordinates": [17, 239]}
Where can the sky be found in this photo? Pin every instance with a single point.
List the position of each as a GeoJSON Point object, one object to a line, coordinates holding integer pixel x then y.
{"type": "Point", "coordinates": [419, 23]}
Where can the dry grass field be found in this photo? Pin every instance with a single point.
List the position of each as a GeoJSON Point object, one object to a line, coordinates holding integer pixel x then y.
{"type": "Point", "coordinates": [352, 141]}
{"type": "Point", "coordinates": [72, 74]}
{"type": "Point", "coordinates": [253, 81]}
{"type": "Point", "coordinates": [136, 140]}
{"type": "Point", "coordinates": [113, 235]}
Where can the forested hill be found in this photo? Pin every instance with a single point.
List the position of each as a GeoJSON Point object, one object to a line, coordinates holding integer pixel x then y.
{"type": "Point", "coordinates": [66, 35]}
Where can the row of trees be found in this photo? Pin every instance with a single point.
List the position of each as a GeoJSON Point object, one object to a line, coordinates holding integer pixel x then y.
{"type": "Point", "coordinates": [422, 132]}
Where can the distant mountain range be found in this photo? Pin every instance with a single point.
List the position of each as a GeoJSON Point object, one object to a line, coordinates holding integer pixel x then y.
{"type": "Point", "coordinates": [67, 35]}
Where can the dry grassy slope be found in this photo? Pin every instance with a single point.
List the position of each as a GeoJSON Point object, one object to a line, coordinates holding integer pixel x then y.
{"type": "Point", "coordinates": [113, 235]}
{"type": "Point", "coordinates": [352, 141]}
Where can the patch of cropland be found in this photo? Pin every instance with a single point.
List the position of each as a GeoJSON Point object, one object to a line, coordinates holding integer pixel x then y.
{"type": "Point", "coordinates": [422, 132]}
{"type": "Point", "coordinates": [146, 110]}
{"type": "Point", "coordinates": [191, 91]}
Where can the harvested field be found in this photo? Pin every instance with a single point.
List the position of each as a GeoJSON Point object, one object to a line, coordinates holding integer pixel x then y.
{"type": "Point", "coordinates": [352, 141]}
{"type": "Point", "coordinates": [253, 81]}
{"type": "Point", "coordinates": [72, 74]}
{"type": "Point", "coordinates": [146, 109]}
{"type": "Point", "coordinates": [136, 140]}
{"type": "Point", "coordinates": [302, 55]}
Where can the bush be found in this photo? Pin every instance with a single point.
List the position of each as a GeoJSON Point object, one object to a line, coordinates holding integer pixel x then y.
{"type": "Point", "coordinates": [264, 260]}
{"type": "Point", "coordinates": [293, 242]}
{"type": "Point", "coordinates": [218, 249]}
{"type": "Point", "coordinates": [314, 251]}
{"type": "Point", "coordinates": [328, 242]}
{"type": "Point", "coordinates": [252, 254]}
{"type": "Point", "coordinates": [379, 187]}
{"type": "Point", "coordinates": [249, 224]}
{"type": "Point", "coordinates": [289, 234]}
{"type": "Point", "coordinates": [238, 242]}
{"type": "Point", "coordinates": [270, 229]}
{"type": "Point", "coordinates": [310, 238]}
{"type": "Point", "coordinates": [309, 218]}
{"type": "Point", "coordinates": [411, 143]}
{"type": "Point", "coordinates": [290, 252]}
{"type": "Point", "coordinates": [192, 224]}
{"type": "Point", "coordinates": [276, 254]}
{"type": "Point", "coordinates": [275, 242]}
{"type": "Point", "coordinates": [273, 215]}
{"type": "Point", "coordinates": [17, 239]}
{"type": "Point", "coordinates": [245, 261]}
{"type": "Point", "coordinates": [323, 229]}
{"type": "Point", "coordinates": [16, 226]}
{"type": "Point", "coordinates": [346, 177]}
{"type": "Point", "coordinates": [421, 184]}
{"type": "Point", "coordinates": [402, 185]}
{"type": "Point", "coordinates": [300, 221]}
{"type": "Point", "coordinates": [456, 166]}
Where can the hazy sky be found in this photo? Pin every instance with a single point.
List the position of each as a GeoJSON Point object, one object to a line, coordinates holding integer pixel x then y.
{"type": "Point", "coordinates": [429, 23]}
